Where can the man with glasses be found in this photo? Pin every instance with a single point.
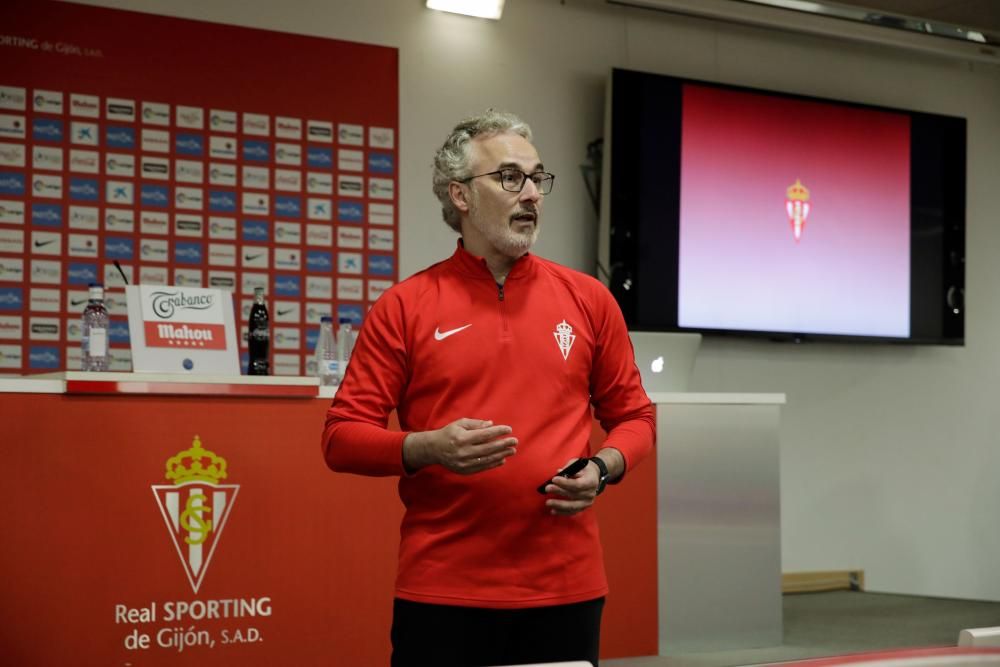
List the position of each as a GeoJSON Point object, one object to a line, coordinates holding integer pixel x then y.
{"type": "Point", "coordinates": [492, 360]}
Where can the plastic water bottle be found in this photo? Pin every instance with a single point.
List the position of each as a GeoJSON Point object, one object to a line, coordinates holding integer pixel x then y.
{"type": "Point", "coordinates": [345, 344]}
{"type": "Point", "coordinates": [258, 335]}
{"type": "Point", "coordinates": [94, 341]}
{"type": "Point", "coordinates": [326, 354]}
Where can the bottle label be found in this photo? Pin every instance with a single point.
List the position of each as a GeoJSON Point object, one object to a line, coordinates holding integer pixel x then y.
{"type": "Point", "coordinates": [98, 342]}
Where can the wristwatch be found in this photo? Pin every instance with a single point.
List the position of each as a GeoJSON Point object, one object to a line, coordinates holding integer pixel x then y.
{"type": "Point", "coordinates": [603, 468]}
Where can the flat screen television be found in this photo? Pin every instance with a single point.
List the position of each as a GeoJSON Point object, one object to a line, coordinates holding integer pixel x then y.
{"type": "Point", "coordinates": [732, 210]}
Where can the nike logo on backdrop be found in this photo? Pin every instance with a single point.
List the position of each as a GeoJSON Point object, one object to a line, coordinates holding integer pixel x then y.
{"type": "Point", "coordinates": [441, 335]}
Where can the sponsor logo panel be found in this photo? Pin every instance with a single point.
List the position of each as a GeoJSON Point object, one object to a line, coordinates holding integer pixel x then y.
{"type": "Point", "coordinates": [155, 141]}
{"type": "Point", "coordinates": [350, 160]}
{"type": "Point", "coordinates": [381, 239]}
{"type": "Point", "coordinates": [186, 224]}
{"type": "Point", "coordinates": [11, 298]}
{"type": "Point", "coordinates": [319, 287]}
{"type": "Point", "coordinates": [287, 285]}
{"type": "Point", "coordinates": [43, 357]}
{"type": "Point", "coordinates": [288, 128]}
{"type": "Point", "coordinates": [11, 356]}
{"type": "Point", "coordinates": [287, 311]}
{"type": "Point", "coordinates": [119, 164]}
{"type": "Point", "coordinates": [255, 231]}
{"type": "Point", "coordinates": [154, 250]}
{"type": "Point", "coordinates": [47, 101]}
{"type": "Point", "coordinates": [45, 300]}
{"type": "Point", "coordinates": [381, 188]}
{"type": "Point", "coordinates": [11, 327]}
{"type": "Point", "coordinates": [192, 118]}
{"type": "Point", "coordinates": [350, 289]}
{"type": "Point", "coordinates": [11, 240]}
{"type": "Point", "coordinates": [189, 198]}
{"type": "Point", "coordinates": [11, 212]}
{"type": "Point", "coordinates": [319, 235]}
{"type": "Point", "coordinates": [319, 261]}
{"type": "Point", "coordinates": [119, 220]}
{"type": "Point", "coordinates": [222, 280]}
{"type": "Point", "coordinates": [350, 211]}
{"type": "Point", "coordinates": [12, 127]}
{"type": "Point", "coordinates": [83, 133]}
{"type": "Point", "coordinates": [84, 161]}
{"type": "Point", "coordinates": [45, 328]}
{"type": "Point", "coordinates": [123, 193]}
{"type": "Point", "coordinates": [351, 135]}
{"type": "Point", "coordinates": [189, 144]}
{"type": "Point", "coordinates": [188, 277]}
{"type": "Point", "coordinates": [256, 178]}
{"type": "Point", "coordinates": [255, 257]}
{"type": "Point", "coordinates": [11, 183]}
{"type": "Point", "coordinates": [256, 203]}
{"type": "Point", "coordinates": [84, 106]}
{"type": "Point", "coordinates": [46, 243]}
{"type": "Point", "coordinates": [288, 233]}
{"type": "Point", "coordinates": [221, 254]}
{"type": "Point", "coordinates": [154, 222]}
{"type": "Point", "coordinates": [289, 259]}
{"type": "Point", "coordinates": [82, 245]}
{"type": "Point", "coordinates": [189, 252]}
{"type": "Point", "coordinates": [350, 237]}
{"type": "Point", "coordinates": [47, 129]}
{"type": "Point", "coordinates": [157, 168]}
{"type": "Point", "coordinates": [222, 228]}
{"type": "Point", "coordinates": [382, 137]}
{"type": "Point", "coordinates": [222, 121]}
{"type": "Point", "coordinates": [189, 171]}
{"type": "Point", "coordinates": [319, 183]}
{"type": "Point", "coordinates": [349, 263]}
{"type": "Point", "coordinates": [350, 186]}
{"type": "Point", "coordinates": [155, 113]}
{"type": "Point", "coordinates": [119, 109]}
{"type": "Point", "coordinates": [250, 282]}
{"type": "Point", "coordinates": [256, 124]}
{"type": "Point", "coordinates": [381, 163]}
{"type": "Point", "coordinates": [223, 148]}
{"type": "Point", "coordinates": [152, 275]}
{"type": "Point", "coordinates": [82, 273]}
{"type": "Point", "coordinates": [46, 215]}
{"type": "Point", "coordinates": [318, 130]}
{"type": "Point", "coordinates": [11, 270]}
{"type": "Point", "coordinates": [119, 247]}
{"type": "Point", "coordinates": [256, 151]}
{"type": "Point", "coordinates": [12, 97]}
{"type": "Point", "coordinates": [84, 217]}
{"type": "Point", "coordinates": [13, 155]}
{"type": "Point", "coordinates": [288, 180]}
{"type": "Point", "coordinates": [381, 214]}
{"type": "Point", "coordinates": [119, 137]}
{"type": "Point", "coordinates": [45, 185]}
{"type": "Point", "coordinates": [290, 154]}
{"type": "Point", "coordinates": [319, 209]}
{"type": "Point", "coordinates": [46, 272]}
{"type": "Point", "coordinates": [287, 338]}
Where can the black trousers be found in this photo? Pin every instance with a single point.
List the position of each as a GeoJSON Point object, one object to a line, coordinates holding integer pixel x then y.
{"type": "Point", "coordinates": [432, 635]}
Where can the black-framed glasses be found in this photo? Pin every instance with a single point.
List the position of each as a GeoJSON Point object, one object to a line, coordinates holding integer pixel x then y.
{"type": "Point", "coordinates": [512, 180]}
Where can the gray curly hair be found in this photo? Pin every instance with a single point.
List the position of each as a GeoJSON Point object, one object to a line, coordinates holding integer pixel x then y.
{"type": "Point", "coordinates": [451, 162]}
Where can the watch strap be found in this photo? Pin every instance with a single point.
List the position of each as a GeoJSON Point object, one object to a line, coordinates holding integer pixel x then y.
{"type": "Point", "coordinates": [603, 468]}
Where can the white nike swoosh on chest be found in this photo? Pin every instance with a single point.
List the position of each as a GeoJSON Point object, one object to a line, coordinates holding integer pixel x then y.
{"type": "Point", "coordinates": [441, 335]}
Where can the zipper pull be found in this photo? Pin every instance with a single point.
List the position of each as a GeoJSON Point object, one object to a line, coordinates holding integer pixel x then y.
{"type": "Point", "coordinates": [500, 291]}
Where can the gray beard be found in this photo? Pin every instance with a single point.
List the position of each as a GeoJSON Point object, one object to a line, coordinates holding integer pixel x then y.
{"type": "Point", "coordinates": [506, 241]}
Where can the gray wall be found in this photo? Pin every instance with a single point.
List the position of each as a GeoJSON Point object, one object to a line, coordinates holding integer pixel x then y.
{"type": "Point", "coordinates": [890, 455]}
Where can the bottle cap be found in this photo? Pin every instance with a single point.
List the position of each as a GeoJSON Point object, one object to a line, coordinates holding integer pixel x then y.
{"type": "Point", "coordinates": [96, 291]}
{"type": "Point", "coordinates": [258, 291]}
{"type": "Point", "coordinates": [345, 320]}
{"type": "Point", "coordinates": [326, 318]}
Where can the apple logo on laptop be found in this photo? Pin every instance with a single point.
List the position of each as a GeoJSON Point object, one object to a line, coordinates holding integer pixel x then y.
{"type": "Point", "coordinates": [657, 365]}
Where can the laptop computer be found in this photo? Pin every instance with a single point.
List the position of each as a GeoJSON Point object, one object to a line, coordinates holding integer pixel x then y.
{"type": "Point", "coordinates": [665, 360]}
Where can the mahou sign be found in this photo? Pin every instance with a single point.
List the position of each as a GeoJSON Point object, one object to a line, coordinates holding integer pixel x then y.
{"type": "Point", "coordinates": [182, 329]}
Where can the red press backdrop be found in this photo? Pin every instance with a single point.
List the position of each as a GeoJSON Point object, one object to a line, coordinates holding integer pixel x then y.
{"type": "Point", "coordinates": [194, 154]}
